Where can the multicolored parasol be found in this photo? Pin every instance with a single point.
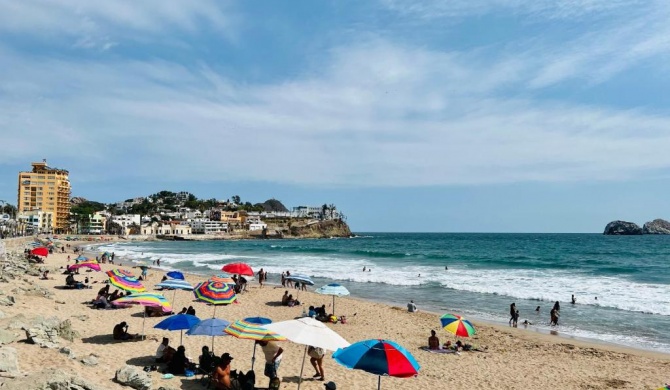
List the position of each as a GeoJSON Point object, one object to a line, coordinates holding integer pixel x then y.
{"type": "Point", "coordinates": [244, 329]}
{"type": "Point", "coordinates": [238, 268]}
{"type": "Point", "coordinates": [92, 264]}
{"type": "Point", "coordinates": [125, 283]}
{"type": "Point", "coordinates": [457, 325]}
{"type": "Point", "coordinates": [379, 357]}
{"type": "Point", "coordinates": [215, 293]}
{"type": "Point", "coordinates": [145, 299]}
{"type": "Point", "coordinates": [121, 273]}
{"type": "Point", "coordinates": [222, 279]}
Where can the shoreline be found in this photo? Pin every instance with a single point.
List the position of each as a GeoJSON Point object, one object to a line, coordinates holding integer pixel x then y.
{"type": "Point", "coordinates": [542, 360]}
{"type": "Point", "coordinates": [544, 334]}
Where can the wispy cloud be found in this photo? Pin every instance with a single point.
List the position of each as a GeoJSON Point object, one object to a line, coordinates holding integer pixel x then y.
{"type": "Point", "coordinates": [378, 114]}
{"type": "Point", "coordinates": [101, 24]}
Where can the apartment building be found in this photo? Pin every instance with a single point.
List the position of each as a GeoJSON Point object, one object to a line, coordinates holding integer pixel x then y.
{"type": "Point", "coordinates": [46, 189]}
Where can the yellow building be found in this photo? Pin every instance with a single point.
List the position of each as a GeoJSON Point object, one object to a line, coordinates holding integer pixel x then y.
{"type": "Point", "coordinates": [46, 189]}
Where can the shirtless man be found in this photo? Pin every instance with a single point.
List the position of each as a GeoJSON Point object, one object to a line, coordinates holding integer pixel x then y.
{"type": "Point", "coordinates": [221, 377]}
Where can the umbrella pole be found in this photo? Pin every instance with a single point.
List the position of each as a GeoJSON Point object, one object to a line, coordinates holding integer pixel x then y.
{"type": "Point", "coordinates": [333, 304]}
{"type": "Point", "coordinates": [144, 317]}
{"type": "Point", "coordinates": [379, 382]}
{"type": "Point", "coordinates": [181, 337]}
{"type": "Point", "coordinates": [212, 344]}
{"type": "Point", "coordinates": [302, 367]}
{"type": "Point", "coordinates": [253, 357]}
{"type": "Point", "coordinates": [174, 295]}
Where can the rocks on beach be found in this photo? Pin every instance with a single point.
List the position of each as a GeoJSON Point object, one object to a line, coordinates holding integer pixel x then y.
{"type": "Point", "coordinates": [8, 361]}
{"type": "Point", "coordinates": [47, 332]}
{"type": "Point", "coordinates": [51, 379]}
{"type": "Point", "coordinates": [133, 377]}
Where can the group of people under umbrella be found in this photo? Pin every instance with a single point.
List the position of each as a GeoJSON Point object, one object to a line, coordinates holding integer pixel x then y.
{"type": "Point", "coordinates": [375, 356]}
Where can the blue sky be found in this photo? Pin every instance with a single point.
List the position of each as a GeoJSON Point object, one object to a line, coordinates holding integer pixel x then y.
{"type": "Point", "coordinates": [459, 115]}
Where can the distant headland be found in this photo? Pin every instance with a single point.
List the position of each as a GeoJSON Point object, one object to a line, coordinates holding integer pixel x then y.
{"type": "Point", "coordinates": [624, 228]}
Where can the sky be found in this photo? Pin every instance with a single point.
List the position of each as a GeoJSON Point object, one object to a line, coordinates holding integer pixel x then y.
{"type": "Point", "coordinates": [409, 115]}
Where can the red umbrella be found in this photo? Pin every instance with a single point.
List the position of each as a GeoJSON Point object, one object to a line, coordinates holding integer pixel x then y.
{"type": "Point", "coordinates": [41, 251]}
{"type": "Point", "coordinates": [238, 268]}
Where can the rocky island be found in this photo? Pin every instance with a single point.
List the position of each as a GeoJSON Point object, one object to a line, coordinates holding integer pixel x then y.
{"type": "Point", "coordinates": [624, 228]}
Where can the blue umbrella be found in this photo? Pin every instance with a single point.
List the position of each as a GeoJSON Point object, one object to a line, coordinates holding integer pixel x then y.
{"type": "Point", "coordinates": [175, 284]}
{"type": "Point", "coordinates": [334, 289]}
{"type": "Point", "coordinates": [81, 258]}
{"type": "Point", "coordinates": [302, 278]}
{"type": "Point", "coordinates": [258, 320]}
{"type": "Point", "coordinates": [175, 275]}
{"type": "Point", "coordinates": [178, 322]}
{"type": "Point", "coordinates": [379, 357]}
{"type": "Point", "coordinates": [209, 327]}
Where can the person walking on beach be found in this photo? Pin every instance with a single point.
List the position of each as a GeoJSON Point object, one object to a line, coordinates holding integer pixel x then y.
{"type": "Point", "coordinates": [512, 313]}
{"type": "Point", "coordinates": [273, 355]}
{"type": "Point", "coordinates": [289, 282]}
{"type": "Point", "coordinates": [261, 277]}
{"type": "Point", "coordinates": [283, 279]}
{"type": "Point", "coordinates": [516, 319]}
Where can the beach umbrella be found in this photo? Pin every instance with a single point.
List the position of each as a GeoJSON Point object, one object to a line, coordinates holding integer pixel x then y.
{"type": "Point", "coordinates": [215, 294]}
{"type": "Point", "coordinates": [308, 331]}
{"type": "Point", "coordinates": [243, 329]}
{"type": "Point", "coordinates": [222, 279]}
{"type": "Point", "coordinates": [302, 278]}
{"type": "Point", "coordinates": [209, 327]}
{"type": "Point", "coordinates": [121, 273]}
{"type": "Point", "coordinates": [175, 275]}
{"type": "Point", "coordinates": [258, 320]}
{"type": "Point", "coordinates": [175, 284]}
{"type": "Point", "coordinates": [94, 265]}
{"type": "Point", "coordinates": [334, 289]}
{"type": "Point", "coordinates": [40, 251]}
{"type": "Point", "coordinates": [238, 268]}
{"type": "Point", "coordinates": [666, 387]}
{"type": "Point", "coordinates": [178, 322]}
{"type": "Point", "coordinates": [126, 283]}
{"type": "Point", "coordinates": [457, 325]}
{"type": "Point", "coordinates": [82, 258]}
{"type": "Point", "coordinates": [145, 299]}
{"type": "Point", "coordinates": [378, 357]}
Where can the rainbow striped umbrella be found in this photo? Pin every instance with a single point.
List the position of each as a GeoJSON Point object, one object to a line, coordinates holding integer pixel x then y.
{"type": "Point", "coordinates": [215, 293]}
{"type": "Point", "coordinates": [92, 264]}
{"type": "Point", "coordinates": [145, 299]}
{"type": "Point", "coordinates": [243, 329]}
{"type": "Point", "coordinates": [457, 325]}
{"type": "Point", "coordinates": [127, 284]}
{"type": "Point", "coordinates": [121, 272]}
{"type": "Point", "coordinates": [666, 387]}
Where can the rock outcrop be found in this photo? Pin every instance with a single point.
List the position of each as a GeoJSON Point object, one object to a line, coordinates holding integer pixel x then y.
{"type": "Point", "coordinates": [622, 228]}
{"type": "Point", "coordinates": [8, 361]}
{"type": "Point", "coordinates": [321, 229]}
{"type": "Point", "coordinates": [50, 379]}
{"type": "Point", "coordinates": [47, 332]}
{"type": "Point", "coordinates": [657, 226]}
{"type": "Point", "coordinates": [133, 377]}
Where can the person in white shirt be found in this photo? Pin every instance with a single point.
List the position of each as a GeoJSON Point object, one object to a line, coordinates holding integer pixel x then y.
{"type": "Point", "coordinates": [164, 351]}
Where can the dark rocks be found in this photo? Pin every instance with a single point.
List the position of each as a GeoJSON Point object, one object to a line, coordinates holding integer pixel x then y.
{"type": "Point", "coordinates": [622, 228]}
{"type": "Point", "coordinates": [657, 226]}
{"type": "Point", "coordinates": [133, 377]}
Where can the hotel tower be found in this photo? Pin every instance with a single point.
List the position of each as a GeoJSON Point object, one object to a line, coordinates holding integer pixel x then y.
{"type": "Point", "coordinates": [46, 189]}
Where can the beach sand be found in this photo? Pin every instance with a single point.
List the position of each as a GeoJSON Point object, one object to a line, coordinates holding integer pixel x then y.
{"type": "Point", "coordinates": [515, 358]}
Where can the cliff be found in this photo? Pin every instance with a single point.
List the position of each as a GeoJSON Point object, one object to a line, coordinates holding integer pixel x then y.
{"type": "Point", "coordinates": [320, 229]}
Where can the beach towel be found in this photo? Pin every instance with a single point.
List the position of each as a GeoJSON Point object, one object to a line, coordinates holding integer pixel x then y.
{"type": "Point", "coordinates": [437, 350]}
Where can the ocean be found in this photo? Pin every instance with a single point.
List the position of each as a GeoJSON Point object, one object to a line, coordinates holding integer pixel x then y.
{"type": "Point", "coordinates": [629, 275]}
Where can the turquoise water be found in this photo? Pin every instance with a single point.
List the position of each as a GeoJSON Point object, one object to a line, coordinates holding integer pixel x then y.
{"type": "Point", "coordinates": [630, 276]}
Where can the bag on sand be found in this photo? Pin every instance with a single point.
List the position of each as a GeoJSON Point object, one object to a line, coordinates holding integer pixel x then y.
{"type": "Point", "coordinates": [274, 383]}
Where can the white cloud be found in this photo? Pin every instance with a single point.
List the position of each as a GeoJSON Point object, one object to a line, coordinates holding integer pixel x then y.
{"type": "Point", "coordinates": [102, 24]}
{"type": "Point", "coordinates": [378, 114]}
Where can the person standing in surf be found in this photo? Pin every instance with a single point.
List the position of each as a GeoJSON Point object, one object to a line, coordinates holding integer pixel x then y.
{"type": "Point", "coordinates": [512, 313]}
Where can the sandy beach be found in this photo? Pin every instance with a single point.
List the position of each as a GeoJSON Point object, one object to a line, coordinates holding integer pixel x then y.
{"type": "Point", "coordinates": [515, 358]}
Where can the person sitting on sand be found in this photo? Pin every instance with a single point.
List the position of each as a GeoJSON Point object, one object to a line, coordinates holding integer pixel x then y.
{"type": "Point", "coordinates": [164, 352]}
{"type": "Point", "coordinates": [206, 360]}
{"type": "Point", "coordinates": [121, 332]}
{"type": "Point", "coordinates": [178, 362]}
{"type": "Point", "coordinates": [104, 291]}
{"type": "Point", "coordinates": [45, 275]}
{"type": "Point", "coordinates": [284, 299]}
{"type": "Point", "coordinates": [101, 302]}
{"type": "Point", "coordinates": [183, 310]}
{"type": "Point", "coordinates": [311, 312]}
{"type": "Point", "coordinates": [411, 307]}
{"type": "Point", "coordinates": [433, 341]}
{"type": "Point", "coordinates": [113, 296]}
{"type": "Point", "coordinates": [292, 302]}
{"type": "Point", "coordinates": [190, 311]}
{"type": "Point", "coordinates": [243, 283]}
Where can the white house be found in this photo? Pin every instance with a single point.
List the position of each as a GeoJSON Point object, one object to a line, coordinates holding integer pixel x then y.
{"type": "Point", "coordinates": [208, 227]}
{"type": "Point", "coordinates": [253, 219]}
{"type": "Point", "coordinates": [126, 220]}
{"type": "Point", "coordinates": [257, 226]}
{"type": "Point", "coordinates": [172, 228]}
{"type": "Point", "coordinates": [37, 221]}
